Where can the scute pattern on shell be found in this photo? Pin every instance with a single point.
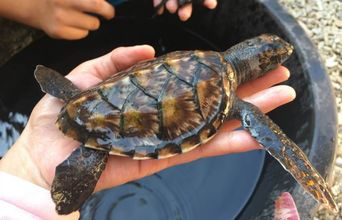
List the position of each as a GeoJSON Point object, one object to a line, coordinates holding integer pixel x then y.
{"type": "Point", "coordinates": [156, 109]}
{"type": "Point", "coordinates": [140, 116]}
{"type": "Point", "coordinates": [179, 109]}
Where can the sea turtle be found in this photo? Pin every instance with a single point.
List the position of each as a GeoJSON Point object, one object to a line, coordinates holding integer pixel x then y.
{"type": "Point", "coordinates": [167, 106]}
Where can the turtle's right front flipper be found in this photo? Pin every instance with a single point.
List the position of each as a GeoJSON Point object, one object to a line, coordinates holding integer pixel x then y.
{"type": "Point", "coordinates": [76, 178]}
{"type": "Point", "coordinates": [290, 156]}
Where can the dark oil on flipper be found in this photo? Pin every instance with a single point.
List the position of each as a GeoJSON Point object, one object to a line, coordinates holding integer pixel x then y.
{"type": "Point", "coordinates": [282, 148]}
{"type": "Point", "coordinates": [76, 178]}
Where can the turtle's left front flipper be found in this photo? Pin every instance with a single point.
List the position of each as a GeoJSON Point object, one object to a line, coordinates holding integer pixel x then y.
{"type": "Point", "coordinates": [76, 178]}
{"type": "Point", "coordinates": [290, 156]}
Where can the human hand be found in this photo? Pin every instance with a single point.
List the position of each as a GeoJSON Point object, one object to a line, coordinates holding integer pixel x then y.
{"type": "Point", "coordinates": [67, 19]}
{"type": "Point", "coordinates": [71, 19]}
{"type": "Point", "coordinates": [42, 147]}
{"type": "Point", "coordinates": [184, 11]}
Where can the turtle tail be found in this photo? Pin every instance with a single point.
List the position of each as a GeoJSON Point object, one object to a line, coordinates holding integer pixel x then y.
{"type": "Point", "coordinates": [54, 83]}
{"type": "Point", "coordinates": [290, 156]}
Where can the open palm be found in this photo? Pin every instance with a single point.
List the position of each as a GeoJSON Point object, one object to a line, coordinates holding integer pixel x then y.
{"type": "Point", "coordinates": [42, 146]}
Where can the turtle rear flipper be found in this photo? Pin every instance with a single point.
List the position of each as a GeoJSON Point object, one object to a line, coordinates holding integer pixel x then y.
{"type": "Point", "coordinates": [290, 156]}
{"type": "Point", "coordinates": [76, 178]}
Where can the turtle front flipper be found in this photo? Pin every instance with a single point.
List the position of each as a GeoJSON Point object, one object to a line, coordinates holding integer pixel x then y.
{"type": "Point", "coordinates": [55, 84]}
{"type": "Point", "coordinates": [290, 156]}
{"type": "Point", "coordinates": [76, 178]}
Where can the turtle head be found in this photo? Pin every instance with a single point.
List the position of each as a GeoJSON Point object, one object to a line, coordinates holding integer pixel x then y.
{"type": "Point", "coordinates": [256, 56]}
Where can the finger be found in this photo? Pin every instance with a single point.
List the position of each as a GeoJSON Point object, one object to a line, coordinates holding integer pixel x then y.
{"type": "Point", "coordinates": [100, 7]}
{"type": "Point", "coordinates": [157, 3]}
{"type": "Point", "coordinates": [101, 68]}
{"type": "Point", "coordinates": [266, 100]}
{"type": "Point", "coordinates": [285, 207]}
{"type": "Point", "coordinates": [270, 79]}
{"type": "Point", "coordinates": [211, 4]}
{"type": "Point", "coordinates": [67, 33]}
{"type": "Point", "coordinates": [172, 6]}
{"type": "Point", "coordinates": [125, 57]}
{"type": "Point", "coordinates": [185, 12]}
{"type": "Point", "coordinates": [273, 97]}
{"type": "Point", "coordinates": [224, 143]}
{"type": "Point", "coordinates": [126, 169]}
{"type": "Point", "coordinates": [80, 20]}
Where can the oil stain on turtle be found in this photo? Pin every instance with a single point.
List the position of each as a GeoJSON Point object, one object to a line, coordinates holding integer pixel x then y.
{"type": "Point", "coordinates": [167, 106]}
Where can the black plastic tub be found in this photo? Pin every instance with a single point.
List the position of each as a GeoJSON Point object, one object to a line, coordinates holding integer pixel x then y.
{"type": "Point", "coordinates": [241, 186]}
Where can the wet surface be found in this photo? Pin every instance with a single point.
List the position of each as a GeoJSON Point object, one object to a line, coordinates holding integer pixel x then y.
{"type": "Point", "coordinates": [10, 129]}
{"type": "Point", "coordinates": [11, 125]}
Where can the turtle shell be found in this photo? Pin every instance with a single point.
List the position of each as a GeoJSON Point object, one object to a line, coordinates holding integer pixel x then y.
{"type": "Point", "coordinates": [156, 109]}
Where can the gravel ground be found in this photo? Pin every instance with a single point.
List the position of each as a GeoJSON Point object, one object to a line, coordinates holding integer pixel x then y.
{"type": "Point", "coordinates": [322, 20]}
